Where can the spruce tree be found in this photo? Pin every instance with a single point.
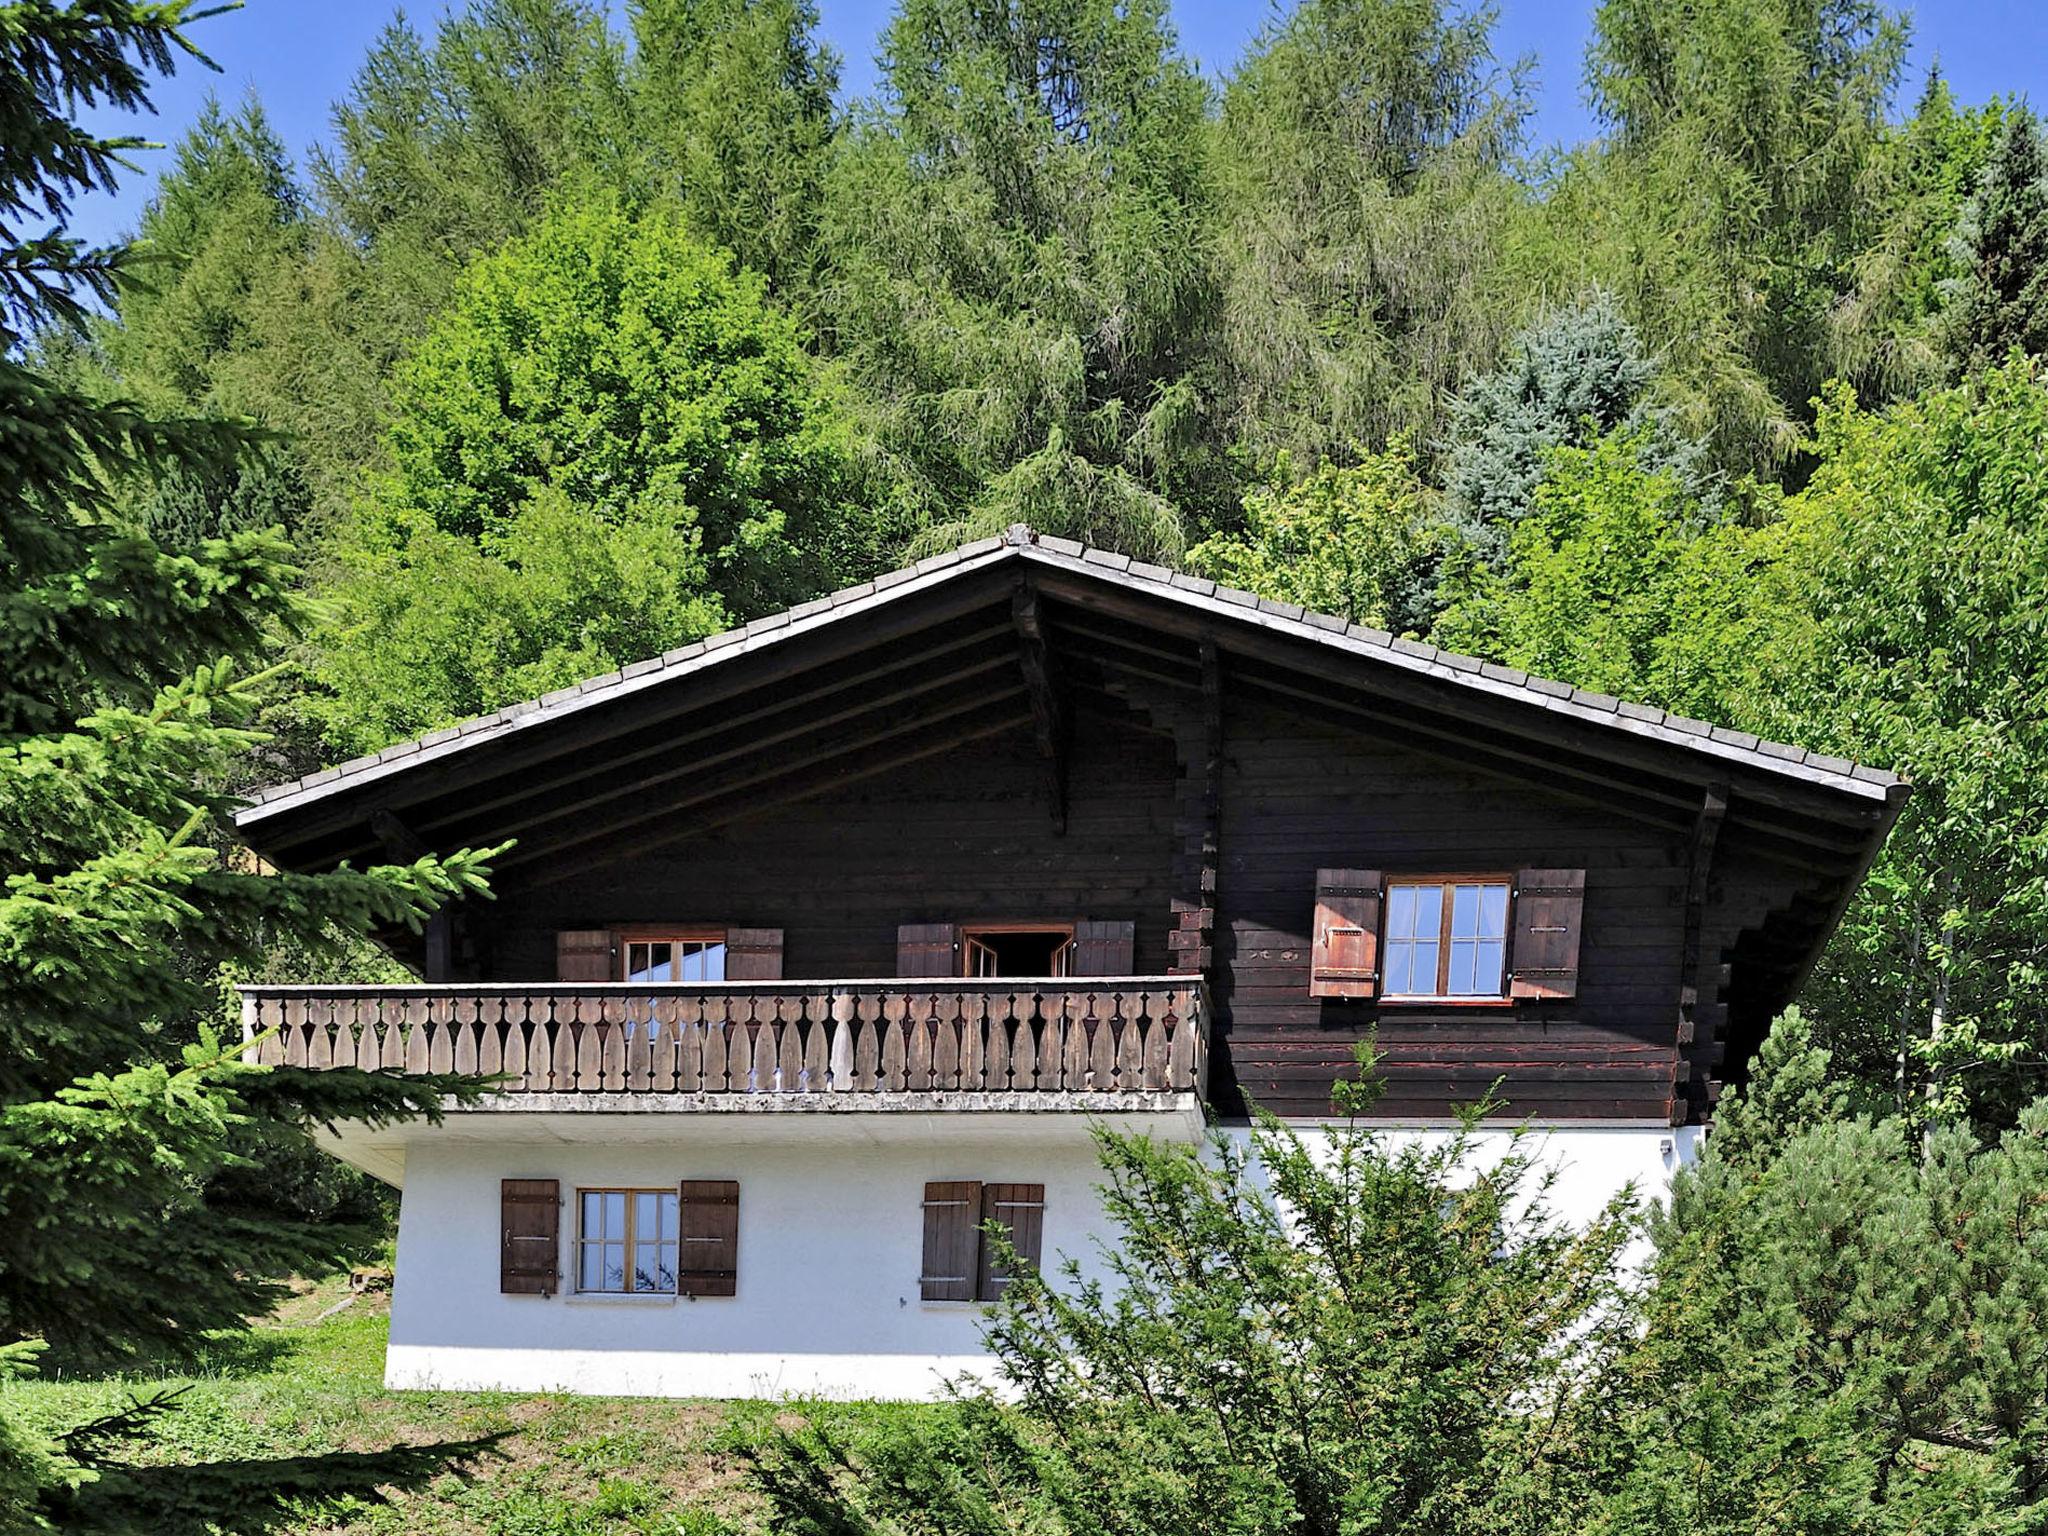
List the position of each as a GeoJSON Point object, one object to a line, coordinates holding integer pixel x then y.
{"type": "Point", "coordinates": [122, 716]}
{"type": "Point", "coordinates": [2001, 301]}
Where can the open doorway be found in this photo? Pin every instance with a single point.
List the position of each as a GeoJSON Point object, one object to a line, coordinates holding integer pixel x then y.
{"type": "Point", "coordinates": [1018, 949]}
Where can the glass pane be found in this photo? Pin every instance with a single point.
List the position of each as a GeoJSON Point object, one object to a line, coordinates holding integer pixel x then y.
{"type": "Point", "coordinates": [1489, 964]}
{"type": "Point", "coordinates": [665, 1268]}
{"type": "Point", "coordinates": [1464, 911]}
{"type": "Point", "coordinates": [1424, 964]}
{"type": "Point", "coordinates": [1493, 911]}
{"type": "Point", "coordinates": [650, 962]}
{"type": "Point", "coordinates": [590, 1273]}
{"type": "Point", "coordinates": [615, 1213]}
{"type": "Point", "coordinates": [667, 1206]}
{"type": "Point", "coordinates": [1401, 912]}
{"type": "Point", "coordinates": [593, 1213]}
{"type": "Point", "coordinates": [714, 962]}
{"type": "Point", "coordinates": [1462, 962]}
{"type": "Point", "coordinates": [1429, 911]}
{"type": "Point", "coordinates": [1399, 955]}
{"type": "Point", "coordinates": [615, 1267]}
{"type": "Point", "coordinates": [644, 1219]}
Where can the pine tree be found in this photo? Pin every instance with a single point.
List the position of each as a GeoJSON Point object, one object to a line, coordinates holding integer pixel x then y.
{"type": "Point", "coordinates": [2000, 303]}
{"type": "Point", "coordinates": [121, 716]}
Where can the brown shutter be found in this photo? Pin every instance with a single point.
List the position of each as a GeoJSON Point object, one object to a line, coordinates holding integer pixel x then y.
{"type": "Point", "coordinates": [585, 954]}
{"type": "Point", "coordinates": [530, 1255]}
{"type": "Point", "coordinates": [928, 949]}
{"type": "Point", "coordinates": [1105, 949]}
{"type": "Point", "coordinates": [1345, 959]}
{"type": "Point", "coordinates": [709, 1228]}
{"type": "Point", "coordinates": [952, 1241]}
{"type": "Point", "coordinates": [1020, 1209]}
{"type": "Point", "coordinates": [1550, 909]}
{"type": "Point", "coordinates": [753, 954]}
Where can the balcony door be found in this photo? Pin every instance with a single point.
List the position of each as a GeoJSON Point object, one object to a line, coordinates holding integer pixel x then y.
{"type": "Point", "coordinates": [1003, 950]}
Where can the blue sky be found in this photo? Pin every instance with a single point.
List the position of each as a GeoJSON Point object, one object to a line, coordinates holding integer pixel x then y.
{"type": "Point", "coordinates": [299, 55]}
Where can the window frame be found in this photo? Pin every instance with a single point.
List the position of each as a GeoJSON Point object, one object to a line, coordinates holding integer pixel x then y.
{"type": "Point", "coordinates": [969, 932]}
{"type": "Point", "coordinates": [676, 934]}
{"type": "Point", "coordinates": [630, 1192]}
{"type": "Point", "coordinates": [1441, 998]}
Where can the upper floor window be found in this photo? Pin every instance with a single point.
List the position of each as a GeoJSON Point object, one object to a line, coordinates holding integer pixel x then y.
{"type": "Point", "coordinates": [1447, 936]}
{"type": "Point", "coordinates": [692, 955]}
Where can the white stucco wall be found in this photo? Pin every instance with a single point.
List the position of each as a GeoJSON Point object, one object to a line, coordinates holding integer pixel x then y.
{"type": "Point", "coordinates": [830, 1246]}
{"type": "Point", "coordinates": [830, 1249]}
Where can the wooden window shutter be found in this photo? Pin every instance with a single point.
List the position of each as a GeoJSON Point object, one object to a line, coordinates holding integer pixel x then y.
{"type": "Point", "coordinates": [952, 1241]}
{"type": "Point", "coordinates": [1345, 952]}
{"type": "Point", "coordinates": [1550, 909]}
{"type": "Point", "coordinates": [928, 949]}
{"type": "Point", "coordinates": [585, 954]}
{"type": "Point", "coordinates": [1020, 1210]}
{"type": "Point", "coordinates": [753, 954]}
{"type": "Point", "coordinates": [708, 1225]}
{"type": "Point", "coordinates": [1105, 949]}
{"type": "Point", "coordinates": [530, 1255]}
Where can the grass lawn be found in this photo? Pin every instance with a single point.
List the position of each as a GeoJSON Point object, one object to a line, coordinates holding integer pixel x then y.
{"type": "Point", "coordinates": [289, 1431]}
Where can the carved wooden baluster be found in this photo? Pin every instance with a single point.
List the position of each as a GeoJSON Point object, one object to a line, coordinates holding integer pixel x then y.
{"type": "Point", "coordinates": [894, 1074]}
{"type": "Point", "coordinates": [465, 1054]}
{"type": "Point", "coordinates": [1101, 1043]}
{"type": "Point", "coordinates": [839, 1076]}
{"type": "Point", "coordinates": [666, 1015]}
{"type": "Point", "coordinates": [1076, 1064]}
{"type": "Point", "coordinates": [867, 1048]}
{"type": "Point", "coordinates": [789, 1047]}
{"type": "Point", "coordinates": [952, 1020]}
{"type": "Point", "coordinates": [716, 1032]}
{"type": "Point", "coordinates": [516, 1066]}
{"type": "Point", "coordinates": [490, 1035]}
{"type": "Point", "coordinates": [561, 1044]}
{"type": "Point", "coordinates": [690, 1031]}
{"type": "Point", "coordinates": [1155, 1066]}
{"type": "Point", "coordinates": [995, 1036]}
{"type": "Point", "coordinates": [817, 1011]}
{"type": "Point", "coordinates": [973, 1041]}
{"type": "Point", "coordinates": [922, 1025]}
{"type": "Point", "coordinates": [761, 1076]}
{"type": "Point", "coordinates": [1022, 1047]}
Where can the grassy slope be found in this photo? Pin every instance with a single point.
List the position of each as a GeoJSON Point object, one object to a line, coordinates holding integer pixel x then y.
{"type": "Point", "coordinates": [289, 1432]}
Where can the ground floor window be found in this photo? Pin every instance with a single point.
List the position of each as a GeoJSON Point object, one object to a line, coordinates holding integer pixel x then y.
{"type": "Point", "coordinates": [626, 1241]}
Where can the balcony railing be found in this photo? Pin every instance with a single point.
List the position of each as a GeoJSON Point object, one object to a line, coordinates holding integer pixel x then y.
{"type": "Point", "coordinates": [1080, 1042]}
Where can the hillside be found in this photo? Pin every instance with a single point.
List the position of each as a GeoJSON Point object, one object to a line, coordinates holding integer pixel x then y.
{"type": "Point", "coordinates": [289, 1431]}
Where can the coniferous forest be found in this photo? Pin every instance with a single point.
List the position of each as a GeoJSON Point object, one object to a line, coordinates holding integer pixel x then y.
{"type": "Point", "coordinates": [585, 335]}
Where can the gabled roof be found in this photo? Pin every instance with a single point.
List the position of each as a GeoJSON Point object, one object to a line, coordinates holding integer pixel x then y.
{"type": "Point", "coordinates": [1373, 652]}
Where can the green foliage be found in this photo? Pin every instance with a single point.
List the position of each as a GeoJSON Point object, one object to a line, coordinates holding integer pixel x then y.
{"type": "Point", "coordinates": [608, 446]}
{"type": "Point", "coordinates": [1326, 1331]}
{"type": "Point", "coordinates": [1845, 1324]}
{"type": "Point", "coordinates": [119, 1103]}
{"type": "Point", "coordinates": [225, 216]}
{"type": "Point", "coordinates": [1354, 541]}
{"type": "Point", "coordinates": [1018, 234]}
{"type": "Point", "coordinates": [738, 97]}
{"type": "Point", "coordinates": [1362, 166]}
{"type": "Point", "coordinates": [1890, 612]}
{"type": "Point", "coordinates": [1729, 209]}
{"type": "Point", "coordinates": [2001, 298]}
{"type": "Point", "coordinates": [1594, 578]}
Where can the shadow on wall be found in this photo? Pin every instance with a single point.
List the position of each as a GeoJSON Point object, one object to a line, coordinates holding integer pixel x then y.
{"type": "Point", "coordinates": [255, 1496]}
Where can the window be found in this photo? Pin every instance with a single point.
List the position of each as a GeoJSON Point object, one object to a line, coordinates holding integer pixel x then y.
{"type": "Point", "coordinates": [697, 955]}
{"type": "Point", "coordinates": [1447, 936]}
{"type": "Point", "coordinates": [1018, 949]}
{"type": "Point", "coordinates": [626, 1241]}
{"type": "Point", "coordinates": [960, 1263]}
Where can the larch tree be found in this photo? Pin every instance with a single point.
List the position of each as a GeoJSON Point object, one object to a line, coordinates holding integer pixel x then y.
{"type": "Point", "coordinates": [122, 716]}
{"type": "Point", "coordinates": [1020, 281]}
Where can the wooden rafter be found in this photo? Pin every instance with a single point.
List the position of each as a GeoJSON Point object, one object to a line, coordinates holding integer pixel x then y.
{"type": "Point", "coordinates": [1050, 722]}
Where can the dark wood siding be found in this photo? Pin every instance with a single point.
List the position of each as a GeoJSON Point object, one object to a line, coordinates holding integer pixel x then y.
{"type": "Point", "coordinates": [967, 836]}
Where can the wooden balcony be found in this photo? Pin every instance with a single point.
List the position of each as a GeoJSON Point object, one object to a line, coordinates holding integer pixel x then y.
{"type": "Point", "coordinates": [1088, 1044]}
